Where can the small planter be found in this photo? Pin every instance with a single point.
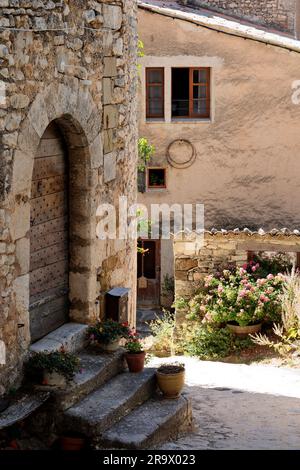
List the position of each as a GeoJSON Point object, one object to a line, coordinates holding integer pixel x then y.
{"type": "Point", "coordinates": [113, 346]}
{"type": "Point", "coordinates": [170, 381]}
{"type": "Point", "coordinates": [53, 379]}
{"type": "Point", "coordinates": [244, 330]}
{"type": "Point", "coordinates": [72, 443]}
{"type": "Point", "coordinates": [135, 361]}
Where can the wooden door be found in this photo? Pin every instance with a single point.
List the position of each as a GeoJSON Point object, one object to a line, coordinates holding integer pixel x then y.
{"type": "Point", "coordinates": [49, 236]}
{"type": "Point", "coordinates": [149, 267]}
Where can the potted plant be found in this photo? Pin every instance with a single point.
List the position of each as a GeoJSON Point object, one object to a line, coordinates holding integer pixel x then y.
{"type": "Point", "coordinates": [108, 333]}
{"type": "Point", "coordinates": [135, 355]}
{"type": "Point", "coordinates": [72, 442]}
{"type": "Point", "coordinates": [53, 368]}
{"type": "Point", "coordinates": [170, 379]}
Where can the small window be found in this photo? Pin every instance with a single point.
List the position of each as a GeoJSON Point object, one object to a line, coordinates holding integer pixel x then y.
{"type": "Point", "coordinates": [156, 178]}
{"type": "Point", "coordinates": [155, 93]}
{"type": "Point", "coordinates": [191, 92]}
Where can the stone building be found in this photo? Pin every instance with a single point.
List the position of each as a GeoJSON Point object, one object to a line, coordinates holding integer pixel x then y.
{"type": "Point", "coordinates": [219, 103]}
{"type": "Point", "coordinates": [283, 15]}
{"type": "Point", "coordinates": [68, 143]}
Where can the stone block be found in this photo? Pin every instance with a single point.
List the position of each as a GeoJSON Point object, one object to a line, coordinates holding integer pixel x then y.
{"type": "Point", "coordinates": [110, 67]}
{"type": "Point", "coordinates": [107, 91]}
{"type": "Point", "coordinates": [21, 289]}
{"type": "Point", "coordinates": [110, 167]}
{"type": "Point", "coordinates": [110, 116]}
{"type": "Point", "coordinates": [108, 144]}
{"type": "Point", "coordinates": [23, 255]}
{"type": "Point", "coordinates": [112, 16]}
{"type": "Point", "coordinates": [96, 152]}
{"type": "Point", "coordinates": [20, 221]}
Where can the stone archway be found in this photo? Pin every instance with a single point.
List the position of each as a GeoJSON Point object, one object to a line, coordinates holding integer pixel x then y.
{"type": "Point", "coordinates": [79, 120]}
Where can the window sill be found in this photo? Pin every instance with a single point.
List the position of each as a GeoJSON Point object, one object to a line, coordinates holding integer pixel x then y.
{"type": "Point", "coordinates": [156, 190]}
{"type": "Point", "coordinates": [180, 121]}
{"type": "Point", "coordinates": [192, 120]}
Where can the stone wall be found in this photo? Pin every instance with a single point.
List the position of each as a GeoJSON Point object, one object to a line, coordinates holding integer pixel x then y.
{"type": "Point", "coordinates": [193, 263]}
{"type": "Point", "coordinates": [72, 61]}
{"type": "Point", "coordinates": [278, 14]}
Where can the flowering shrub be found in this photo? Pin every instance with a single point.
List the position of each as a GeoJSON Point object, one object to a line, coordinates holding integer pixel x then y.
{"type": "Point", "coordinates": [238, 297]}
{"type": "Point", "coordinates": [107, 331]}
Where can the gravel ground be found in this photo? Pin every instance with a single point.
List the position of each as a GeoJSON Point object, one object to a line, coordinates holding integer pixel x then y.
{"type": "Point", "coordinates": [236, 406]}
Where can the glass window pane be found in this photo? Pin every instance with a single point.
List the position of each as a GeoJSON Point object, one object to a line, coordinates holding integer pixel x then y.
{"type": "Point", "coordinates": [155, 76]}
{"type": "Point", "coordinates": [199, 92]}
{"type": "Point", "coordinates": [200, 76]}
{"type": "Point", "coordinates": [155, 92]}
{"type": "Point", "coordinates": [155, 108]}
{"type": "Point", "coordinates": [200, 107]}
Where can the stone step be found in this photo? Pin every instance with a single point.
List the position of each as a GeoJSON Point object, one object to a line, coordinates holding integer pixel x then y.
{"type": "Point", "coordinates": [155, 421]}
{"type": "Point", "coordinates": [71, 336]}
{"type": "Point", "coordinates": [105, 406]}
{"type": "Point", "coordinates": [96, 369]}
{"type": "Point", "coordinates": [21, 407]}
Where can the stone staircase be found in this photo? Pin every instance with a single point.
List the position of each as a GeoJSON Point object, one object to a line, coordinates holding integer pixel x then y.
{"type": "Point", "coordinates": [111, 406]}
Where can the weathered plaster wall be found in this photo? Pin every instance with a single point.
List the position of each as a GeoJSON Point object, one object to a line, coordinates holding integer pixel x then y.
{"type": "Point", "coordinates": [247, 168]}
{"type": "Point", "coordinates": [279, 14]}
{"type": "Point", "coordinates": [83, 75]}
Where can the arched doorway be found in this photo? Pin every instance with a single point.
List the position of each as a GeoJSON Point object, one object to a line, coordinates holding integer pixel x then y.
{"type": "Point", "coordinates": [49, 235]}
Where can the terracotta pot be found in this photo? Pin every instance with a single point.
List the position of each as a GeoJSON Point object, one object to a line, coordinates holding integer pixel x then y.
{"type": "Point", "coordinates": [245, 330]}
{"type": "Point", "coordinates": [72, 443]}
{"type": "Point", "coordinates": [136, 361]}
{"type": "Point", "coordinates": [171, 385]}
{"type": "Point", "coordinates": [53, 379]}
{"type": "Point", "coordinates": [110, 347]}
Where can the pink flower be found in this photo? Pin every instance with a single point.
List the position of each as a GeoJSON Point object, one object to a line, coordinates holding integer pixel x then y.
{"type": "Point", "coordinates": [270, 277]}
{"type": "Point", "coordinates": [263, 298]}
{"type": "Point", "coordinates": [243, 293]}
{"type": "Point", "coordinates": [242, 271]}
{"type": "Point", "coordinates": [220, 289]}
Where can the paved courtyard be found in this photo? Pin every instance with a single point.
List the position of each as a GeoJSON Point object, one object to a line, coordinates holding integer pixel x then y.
{"type": "Point", "coordinates": [240, 406]}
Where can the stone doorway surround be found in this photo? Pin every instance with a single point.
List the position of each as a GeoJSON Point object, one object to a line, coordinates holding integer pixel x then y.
{"type": "Point", "coordinates": [79, 120]}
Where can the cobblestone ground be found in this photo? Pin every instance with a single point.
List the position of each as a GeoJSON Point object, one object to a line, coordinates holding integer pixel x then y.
{"type": "Point", "coordinates": [240, 406]}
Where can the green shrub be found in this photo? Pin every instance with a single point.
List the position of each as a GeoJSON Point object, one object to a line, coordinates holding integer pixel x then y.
{"type": "Point", "coordinates": [208, 342]}
{"type": "Point", "coordinates": [162, 328]}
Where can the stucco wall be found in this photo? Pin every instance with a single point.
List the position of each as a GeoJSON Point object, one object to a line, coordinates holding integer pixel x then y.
{"type": "Point", "coordinates": [82, 74]}
{"type": "Point", "coordinates": [247, 169]}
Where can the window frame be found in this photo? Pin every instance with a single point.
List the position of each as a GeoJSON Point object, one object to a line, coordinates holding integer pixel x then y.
{"type": "Point", "coordinates": [148, 85]}
{"type": "Point", "coordinates": [191, 114]}
{"type": "Point", "coordinates": [148, 177]}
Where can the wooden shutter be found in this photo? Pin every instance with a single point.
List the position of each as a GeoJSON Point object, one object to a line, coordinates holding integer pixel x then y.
{"type": "Point", "coordinates": [155, 93]}
{"type": "Point", "coordinates": [199, 103]}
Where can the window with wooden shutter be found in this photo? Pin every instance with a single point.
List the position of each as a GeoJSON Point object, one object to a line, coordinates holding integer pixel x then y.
{"type": "Point", "coordinates": [155, 93]}
{"type": "Point", "coordinates": [191, 92]}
